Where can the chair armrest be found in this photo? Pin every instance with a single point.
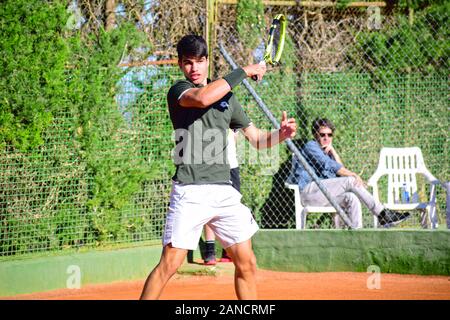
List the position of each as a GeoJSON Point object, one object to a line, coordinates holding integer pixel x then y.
{"type": "Point", "coordinates": [429, 176]}
{"type": "Point", "coordinates": [292, 186]}
{"type": "Point", "coordinates": [373, 180]}
{"type": "Point", "coordinates": [436, 182]}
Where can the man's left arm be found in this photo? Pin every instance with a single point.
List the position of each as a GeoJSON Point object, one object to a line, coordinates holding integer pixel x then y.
{"type": "Point", "coordinates": [343, 171]}
{"type": "Point", "coordinates": [261, 139]}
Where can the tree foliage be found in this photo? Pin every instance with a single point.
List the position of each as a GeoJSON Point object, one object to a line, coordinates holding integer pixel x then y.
{"type": "Point", "coordinates": [32, 76]}
{"type": "Point", "coordinates": [100, 128]}
{"type": "Point", "coordinates": [399, 49]}
{"type": "Point", "coordinates": [250, 22]}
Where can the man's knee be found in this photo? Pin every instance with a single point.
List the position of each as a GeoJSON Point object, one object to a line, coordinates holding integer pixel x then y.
{"type": "Point", "coordinates": [170, 261]}
{"type": "Point", "coordinates": [351, 199]}
{"type": "Point", "coordinates": [350, 181]}
{"type": "Point", "coordinates": [246, 265]}
{"type": "Point", "coordinates": [168, 268]}
{"type": "Point", "coordinates": [352, 202]}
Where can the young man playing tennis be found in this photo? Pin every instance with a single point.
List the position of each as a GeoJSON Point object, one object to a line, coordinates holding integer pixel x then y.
{"type": "Point", "coordinates": [201, 112]}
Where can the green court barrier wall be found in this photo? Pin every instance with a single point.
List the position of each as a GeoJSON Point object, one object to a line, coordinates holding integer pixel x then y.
{"type": "Point", "coordinates": [393, 251]}
{"type": "Point", "coordinates": [49, 273]}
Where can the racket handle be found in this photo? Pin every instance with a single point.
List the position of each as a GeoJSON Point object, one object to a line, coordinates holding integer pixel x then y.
{"type": "Point", "coordinates": [262, 63]}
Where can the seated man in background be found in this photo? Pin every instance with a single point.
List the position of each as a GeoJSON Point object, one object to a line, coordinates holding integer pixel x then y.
{"type": "Point", "coordinates": [344, 185]}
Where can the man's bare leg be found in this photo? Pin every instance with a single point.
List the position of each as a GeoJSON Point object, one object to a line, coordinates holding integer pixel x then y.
{"type": "Point", "coordinates": [171, 260]}
{"type": "Point", "coordinates": [245, 272]}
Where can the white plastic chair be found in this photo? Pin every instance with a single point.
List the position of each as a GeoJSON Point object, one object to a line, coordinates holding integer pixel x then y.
{"type": "Point", "coordinates": [301, 211]}
{"type": "Point", "coordinates": [401, 165]}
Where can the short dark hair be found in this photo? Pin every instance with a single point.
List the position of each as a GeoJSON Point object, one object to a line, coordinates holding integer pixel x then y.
{"type": "Point", "coordinates": [192, 46]}
{"type": "Point", "coordinates": [321, 122]}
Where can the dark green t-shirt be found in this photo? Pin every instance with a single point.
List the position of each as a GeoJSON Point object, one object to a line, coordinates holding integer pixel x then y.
{"type": "Point", "coordinates": [200, 153]}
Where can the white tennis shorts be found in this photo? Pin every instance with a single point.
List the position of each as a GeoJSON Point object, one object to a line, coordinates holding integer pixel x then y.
{"type": "Point", "coordinates": [218, 205]}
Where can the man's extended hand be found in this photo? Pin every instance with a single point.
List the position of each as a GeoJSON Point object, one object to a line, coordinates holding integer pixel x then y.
{"type": "Point", "coordinates": [328, 149]}
{"type": "Point", "coordinates": [359, 182]}
{"type": "Point", "coordinates": [288, 127]}
{"type": "Point", "coordinates": [258, 70]}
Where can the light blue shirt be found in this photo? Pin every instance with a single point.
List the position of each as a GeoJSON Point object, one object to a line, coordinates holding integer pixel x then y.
{"type": "Point", "coordinates": [324, 165]}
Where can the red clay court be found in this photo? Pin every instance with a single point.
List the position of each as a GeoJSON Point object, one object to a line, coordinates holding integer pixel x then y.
{"type": "Point", "coordinates": [272, 285]}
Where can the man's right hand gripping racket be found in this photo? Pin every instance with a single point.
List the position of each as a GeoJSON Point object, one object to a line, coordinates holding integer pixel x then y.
{"type": "Point", "coordinates": [275, 42]}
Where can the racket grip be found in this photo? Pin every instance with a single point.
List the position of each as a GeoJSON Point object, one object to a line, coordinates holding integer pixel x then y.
{"type": "Point", "coordinates": [261, 63]}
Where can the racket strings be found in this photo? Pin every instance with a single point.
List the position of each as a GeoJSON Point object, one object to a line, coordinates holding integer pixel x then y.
{"type": "Point", "coordinates": [275, 35]}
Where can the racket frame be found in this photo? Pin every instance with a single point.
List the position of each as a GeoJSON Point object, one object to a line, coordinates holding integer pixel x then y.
{"type": "Point", "coordinates": [267, 54]}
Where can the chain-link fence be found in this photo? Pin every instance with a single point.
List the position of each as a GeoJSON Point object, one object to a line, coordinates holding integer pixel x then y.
{"type": "Point", "coordinates": [380, 75]}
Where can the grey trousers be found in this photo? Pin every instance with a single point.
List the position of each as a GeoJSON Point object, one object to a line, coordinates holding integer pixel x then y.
{"type": "Point", "coordinates": [347, 195]}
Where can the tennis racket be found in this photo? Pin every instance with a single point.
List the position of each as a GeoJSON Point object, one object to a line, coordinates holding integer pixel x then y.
{"type": "Point", "coordinates": [275, 42]}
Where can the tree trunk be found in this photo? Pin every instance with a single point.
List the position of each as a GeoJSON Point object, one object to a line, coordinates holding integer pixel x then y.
{"type": "Point", "coordinates": [110, 14]}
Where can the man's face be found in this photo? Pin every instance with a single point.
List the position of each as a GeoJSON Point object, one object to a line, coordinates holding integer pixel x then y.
{"type": "Point", "coordinates": [324, 136]}
{"type": "Point", "coordinates": [195, 69]}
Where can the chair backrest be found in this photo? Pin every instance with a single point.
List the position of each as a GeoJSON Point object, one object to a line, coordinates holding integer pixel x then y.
{"type": "Point", "coordinates": [401, 166]}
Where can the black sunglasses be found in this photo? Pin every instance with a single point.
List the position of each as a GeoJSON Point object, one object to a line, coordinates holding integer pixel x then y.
{"type": "Point", "coordinates": [326, 134]}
